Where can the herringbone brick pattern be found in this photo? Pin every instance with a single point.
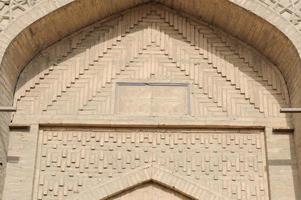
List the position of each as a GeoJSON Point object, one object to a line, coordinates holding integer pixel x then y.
{"type": "Point", "coordinates": [11, 9]}
{"type": "Point", "coordinates": [150, 192]}
{"type": "Point", "coordinates": [77, 75]}
{"type": "Point", "coordinates": [289, 9]}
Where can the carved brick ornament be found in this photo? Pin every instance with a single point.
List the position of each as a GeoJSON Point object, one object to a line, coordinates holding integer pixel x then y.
{"type": "Point", "coordinates": [168, 74]}
{"type": "Point", "coordinates": [78, 75]}
{"type": "Point", "coordinates": [78, 163]}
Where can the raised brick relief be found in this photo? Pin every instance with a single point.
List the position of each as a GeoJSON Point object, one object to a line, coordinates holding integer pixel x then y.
{"type": "Point", "coordinates": [231, 163]}
{"type": "Point", "coordinates": [289, 9]}
{"type": "Point", "coordinates": [77, 75]}
{"type": "Point", "coordinates": [11, 9]}
{"type": "Point", "coordinates": [190, 70]}
{"type": "Point", "coordinates": [131, 65]}
{"type": "Point", "coordinates": [150, 192]}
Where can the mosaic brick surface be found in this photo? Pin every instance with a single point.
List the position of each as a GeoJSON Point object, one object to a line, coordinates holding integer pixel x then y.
{"type": "Point", "coordinates": [229, 162]}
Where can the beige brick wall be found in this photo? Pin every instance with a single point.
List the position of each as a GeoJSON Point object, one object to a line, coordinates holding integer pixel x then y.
{"type": "Point", "coordinates": [21, 163]}
{"type": "Point", "coordinates": [276, 46]}
{"type": "Point", "coordinates": [282, 165]}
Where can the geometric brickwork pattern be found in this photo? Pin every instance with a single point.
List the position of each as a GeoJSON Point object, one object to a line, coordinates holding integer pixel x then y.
{"type": "Point", "coordinates": [11, 9]}
{"type": "Point", "coordinates": [150, 192]}
{"type": "Point", "coordinates": [71, 162]}
{"type": "Point", "coordinates": [149, 175]}
{"type": "Point", "coordinates": [289, 9]}
{"type": "Point", "coordinates": [77, 75]}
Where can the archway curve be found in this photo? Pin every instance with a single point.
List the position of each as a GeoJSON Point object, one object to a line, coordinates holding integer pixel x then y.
{"type": "Point", "coordinates": [26, 37]}
{"type": "Point", "coordinates": [175, 44]}
{"type": "Point", "coordinates": [29, 31]}
{"type": "Point", "coordinates": [145, 175]}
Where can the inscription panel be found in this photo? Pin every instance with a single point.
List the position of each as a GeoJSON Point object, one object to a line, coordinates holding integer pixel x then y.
{"type": "Point", "coordinates": [152, 99]}
{"type": "Point", "coordinates": [228, 162]}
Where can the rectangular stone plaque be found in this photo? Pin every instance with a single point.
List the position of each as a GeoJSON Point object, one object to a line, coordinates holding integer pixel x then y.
{"type": "Point", "coordinates": [157, 99]}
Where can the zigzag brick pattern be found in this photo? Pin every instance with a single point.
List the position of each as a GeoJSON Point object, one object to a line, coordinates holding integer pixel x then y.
{"type": "Point", "coordinates": [12, 9]}
{"type": "Point", "coordinates": [146, 192]}
{"type": "Point", "coordinates": [151, 44]}
{"type": "Point", "coordinates": [228, 162]}
{"type": "Point", "coordinates": [289, 9]}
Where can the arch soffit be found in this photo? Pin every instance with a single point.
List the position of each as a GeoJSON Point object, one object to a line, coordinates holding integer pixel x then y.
{"type": "Point", "coordinates": [49, 21]}
{"type": "Point", "coordinates": [144, 175]}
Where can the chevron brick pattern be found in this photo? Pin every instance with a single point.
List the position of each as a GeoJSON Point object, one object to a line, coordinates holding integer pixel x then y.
{"type": "Point", "coordinates": [151, 43]}
{"type": "Point", "coordinates": [147, 192]}
{"type": "Point", "coordinates": [229, 162]}
{"type": "Point", "coordinates": [11, 9]}
{"type": "Point", "coordinates": [289, 9]}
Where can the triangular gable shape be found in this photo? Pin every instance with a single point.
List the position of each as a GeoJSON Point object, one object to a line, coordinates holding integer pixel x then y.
{"type": "Point", "coordinates": [144, 175]}
{"type": "Point", "coordinates": [150, 191]}
{"type": "Point", "coordinates": [153, 64]}
{"type": "Point", "coordinates": [225, 80]}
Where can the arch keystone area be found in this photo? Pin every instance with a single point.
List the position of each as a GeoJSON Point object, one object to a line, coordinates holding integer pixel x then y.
{"type": "Point", "coordinates": [144, 175]}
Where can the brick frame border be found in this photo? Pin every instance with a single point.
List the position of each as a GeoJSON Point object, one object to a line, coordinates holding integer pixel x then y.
{"type": "Point", "coordinates": [144, 175]}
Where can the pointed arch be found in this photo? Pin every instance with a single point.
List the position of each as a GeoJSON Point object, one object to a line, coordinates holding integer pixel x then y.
{"type": "Point", "coordinates": [181, 47]}
{"type": "Point", "coordinates": [144, 175]}
{"type": "Point", "coordinates": [46, 23]}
